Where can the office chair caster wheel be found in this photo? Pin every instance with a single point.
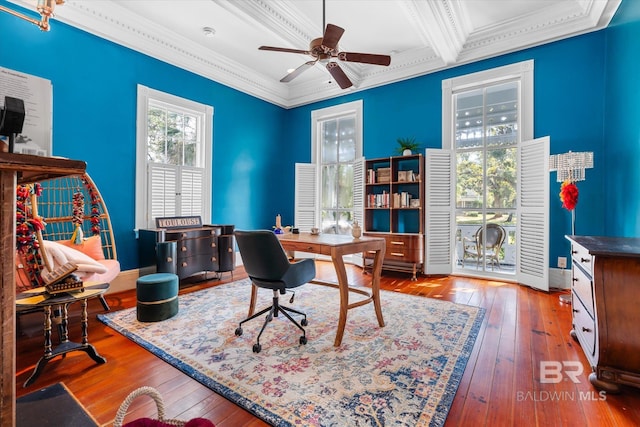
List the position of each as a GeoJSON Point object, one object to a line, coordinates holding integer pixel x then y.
{"type": "Point", "coordinates": [303, 340]}
{"type": "Point", "coordinates": [304, 322]}
{"type": "Point", "coordinates": [238, 332]}
{"type": "Point", "coordinates": [257, 348]}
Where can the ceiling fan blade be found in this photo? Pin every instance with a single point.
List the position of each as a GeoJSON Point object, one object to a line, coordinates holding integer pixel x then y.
{"type": "Point", "coordinates": [339, 76]}
{"type": "Point", "coordinates": [332, 36]}
{"type": "Point", "coordinates": [365, 58]}
{"type": "Point", "coordinates": [295, 73]}
{"type": "Point", "coordinates": [284, 49]}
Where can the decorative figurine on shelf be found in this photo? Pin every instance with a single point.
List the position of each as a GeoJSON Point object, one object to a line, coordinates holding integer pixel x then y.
{"type": "Point", "coordinates": [356, 231]}
{"type": "Point", "coordinates": [278, 228]}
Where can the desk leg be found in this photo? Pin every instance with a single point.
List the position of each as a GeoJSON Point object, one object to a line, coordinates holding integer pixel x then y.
{"type": "Point", "coordinates": [254, 297]}
{"type": "Point", "coordinates": [375, 285]}
{"type": "Point", "coordinates": [343, 285]}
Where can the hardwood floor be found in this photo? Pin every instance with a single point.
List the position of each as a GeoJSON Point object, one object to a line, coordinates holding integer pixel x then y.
{"type": "Point", "coordinates": [500, 386]}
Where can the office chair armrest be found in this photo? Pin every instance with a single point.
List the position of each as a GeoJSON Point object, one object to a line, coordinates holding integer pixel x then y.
{"type": "Point", "coordinates": [300, 273]}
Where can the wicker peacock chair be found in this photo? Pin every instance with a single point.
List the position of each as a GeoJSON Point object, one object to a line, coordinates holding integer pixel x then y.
{"type": "Point", "coordinates": [65, 205]}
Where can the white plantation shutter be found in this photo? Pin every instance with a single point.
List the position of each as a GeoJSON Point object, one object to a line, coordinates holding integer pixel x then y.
{"type": "Point", "coordinates": [358, 190]}
{"type": "Point", "coordinates": [305, 197]}
{"type": "Point", "coordinates": [533, 218]}
{"type": "Point", "coordinates": [439, 203]}
{"type": "Point", "coordinates": [358, 199]}
{"type": "Point", "coordinates": [162, 191]}
{"type": "Point", "coordinates": [191, 191]}
{"type": "Point", "coordinates": [165, 199]}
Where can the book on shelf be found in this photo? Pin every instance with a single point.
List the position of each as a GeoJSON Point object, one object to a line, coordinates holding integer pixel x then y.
{"type": "Point", "coordinates": [378, 200]}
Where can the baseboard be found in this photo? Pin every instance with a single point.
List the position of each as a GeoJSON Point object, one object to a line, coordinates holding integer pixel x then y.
{"type": "Point", "coordinates": [560, 278]}
{"type": "Point", "coordinates": [125, 281]}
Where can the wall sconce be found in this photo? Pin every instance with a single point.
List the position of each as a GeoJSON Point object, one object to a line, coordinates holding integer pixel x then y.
{"type": "Point", "coordinates": [45, 9]}
{"type": "Point", "coordinates": [571, 166]}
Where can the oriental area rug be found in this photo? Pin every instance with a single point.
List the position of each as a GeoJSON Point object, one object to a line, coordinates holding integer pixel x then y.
{"type": "Point", "coordinates": [404, 374]}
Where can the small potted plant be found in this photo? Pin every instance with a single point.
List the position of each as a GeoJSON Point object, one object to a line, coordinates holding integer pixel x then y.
{"type": "Point", "coordinates": [406, 146]}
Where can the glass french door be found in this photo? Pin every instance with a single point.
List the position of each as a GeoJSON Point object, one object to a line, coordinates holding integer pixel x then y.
{"type": "Point", "coordinates": [337, 157]}
{"type": "Point", "coordinates": [486, 154]}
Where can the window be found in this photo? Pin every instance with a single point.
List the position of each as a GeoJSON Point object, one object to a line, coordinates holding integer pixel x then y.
{"type": "Point", "coordinates": [173, 165]}
{"type": "Point", "coordinates": [337, 146]}
{"type": "Point", "coordinates": [499, 174]}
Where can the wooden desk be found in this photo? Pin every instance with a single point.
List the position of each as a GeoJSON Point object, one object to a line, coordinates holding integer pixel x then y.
{"type": "Point", "coordinates": [20, 169]}
{"type": "Point", "coordinates": [336, 246]}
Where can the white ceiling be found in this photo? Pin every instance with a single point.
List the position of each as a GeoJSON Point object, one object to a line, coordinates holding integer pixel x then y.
{"type": "Point", "coordinates": [421, 36]}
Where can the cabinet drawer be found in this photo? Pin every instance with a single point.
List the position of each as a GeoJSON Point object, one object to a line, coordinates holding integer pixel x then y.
{"type": "Point", "coordinates": [404, 256]}
{"type": "Point", "coordinates": [191, 247]}
{"type": "Point", "coordinates": [583, 287]}
{"type": "Point", "coordinates": [195, 264]}
{"type": "Point", "coordinates": [395, 242]}
{"type": "Point", "coordinates": [581, 256]}
{"type": "Point", "coordinates": [306, 247]}
{"type": "Point", "coordinates": [584, 327]}
{"type": "Point", "coordinates": [191, 233]}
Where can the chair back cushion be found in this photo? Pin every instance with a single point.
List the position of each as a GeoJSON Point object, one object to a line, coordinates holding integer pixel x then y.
{"type": "Point", "coordinates": [262, 254]}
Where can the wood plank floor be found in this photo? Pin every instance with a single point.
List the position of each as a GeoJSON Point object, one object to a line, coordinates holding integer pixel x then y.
{"type": "Point", "coordinates": [500, 386]}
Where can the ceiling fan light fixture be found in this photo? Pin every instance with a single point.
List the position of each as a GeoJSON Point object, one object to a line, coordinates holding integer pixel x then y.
{"type": "Point", "coordinates": [208, 31]}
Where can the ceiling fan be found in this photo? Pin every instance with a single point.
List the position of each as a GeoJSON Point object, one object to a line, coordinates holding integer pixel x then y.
{"type": "Point", "coordinates": [324, 50]}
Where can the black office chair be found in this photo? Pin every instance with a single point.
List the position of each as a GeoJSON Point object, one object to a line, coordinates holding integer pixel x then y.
{"type": "Point", "coordinates": [268, 266]}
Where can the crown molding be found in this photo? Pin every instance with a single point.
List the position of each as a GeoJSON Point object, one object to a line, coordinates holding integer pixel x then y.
{"type": "Point", "coordinates": [443, 29]}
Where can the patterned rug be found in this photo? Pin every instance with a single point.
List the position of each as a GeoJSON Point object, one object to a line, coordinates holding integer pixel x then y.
{"type": "Point", "coordinates": [405, 374]}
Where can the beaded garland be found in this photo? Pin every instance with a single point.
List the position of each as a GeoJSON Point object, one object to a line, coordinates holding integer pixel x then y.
{"type": "Point", "coordinates": [26, 229]}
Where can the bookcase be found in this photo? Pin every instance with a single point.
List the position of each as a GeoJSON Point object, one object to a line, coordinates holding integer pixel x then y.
{"type": "Point", "coordinates": [394, 210]}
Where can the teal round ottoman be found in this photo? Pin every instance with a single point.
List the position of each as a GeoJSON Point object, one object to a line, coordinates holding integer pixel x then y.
{"type": "Point", "coordinates": [157, 297]}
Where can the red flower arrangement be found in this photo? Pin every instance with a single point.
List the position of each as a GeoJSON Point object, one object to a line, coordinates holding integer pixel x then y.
{"type": "Point", "coordinates": [569, 195]}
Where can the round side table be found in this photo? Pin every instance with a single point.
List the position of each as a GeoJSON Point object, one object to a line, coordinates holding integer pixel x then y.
{"type": "Point", "coordinates": [38, 297]}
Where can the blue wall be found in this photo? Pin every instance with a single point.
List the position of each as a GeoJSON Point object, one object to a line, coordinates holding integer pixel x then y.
{"type": "Point", "coordinates": [94, 119]}
{"type": "Point", "coordinates": [621, 165]}
{"type": "Point", "coordinates": [586, 91]}
{"type": "Point", "coordinates": [568, 106]}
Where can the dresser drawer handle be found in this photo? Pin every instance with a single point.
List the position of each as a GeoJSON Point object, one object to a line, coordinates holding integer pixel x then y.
{"type": "Point", "coordinates": [397, 243]}
{"type": "Point", "coordinates": [213, 259]}
{"type": "Point", "coordinates": [229, 250]}
{"type": "Point", "coordinates": [586, 329]}
{"type": "Point", "coordinates": [585, 260]}
{"type": "Point", "coordinates": [575, 279]}
{"type": "Point", "coordinates": [574, 252]}
{"type": "Point", "coordinates": [184, 264]}
{"type": "Point", "coordinates": [576, 310]}
{"type": "Point", "coordinates": [397, 254]}
{"type": "Point", "coordinates": [183, 248]}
